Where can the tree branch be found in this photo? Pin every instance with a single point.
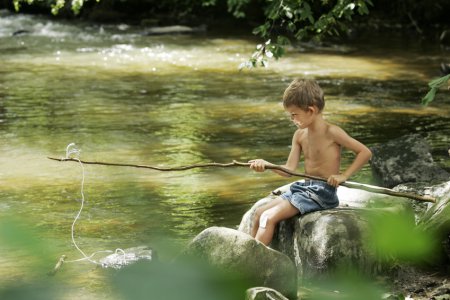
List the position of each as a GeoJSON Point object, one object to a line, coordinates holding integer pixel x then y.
{"type": "Point", "coordinates": [349, 184]}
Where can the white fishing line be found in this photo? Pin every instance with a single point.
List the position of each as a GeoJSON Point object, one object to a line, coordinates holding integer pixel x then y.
{"type": "Point", "coordinates": [74, 153]}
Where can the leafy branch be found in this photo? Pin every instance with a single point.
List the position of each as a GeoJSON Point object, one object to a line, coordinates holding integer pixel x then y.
{"type": "Point", "coordinates": [435, 85]}
{"type": "Point", "coordinates": [299, 20]}
{"type": "Point", "coordinates": [56, 5]}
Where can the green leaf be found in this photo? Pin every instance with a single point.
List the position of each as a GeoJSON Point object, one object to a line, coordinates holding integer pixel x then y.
{"type": "Point", "coordinates": [429, 97]}
{"type": "Point", "coordinates": [16, 5]}
{"type": "Point", "coordinates": [434, 85]}
{"type": "Point", "coordinates": [438, 82]}
{"type": "Point", "coordinates": [363, 10]}
{"type": "Point", "coordinates": [283, 41]}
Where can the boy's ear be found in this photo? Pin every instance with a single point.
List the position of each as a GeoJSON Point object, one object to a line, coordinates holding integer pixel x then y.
{"type": "Point", "coordinates": [313, 109]}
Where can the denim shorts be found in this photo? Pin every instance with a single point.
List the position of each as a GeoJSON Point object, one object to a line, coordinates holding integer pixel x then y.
{"type": "Point", "coordinates": [311, 195]}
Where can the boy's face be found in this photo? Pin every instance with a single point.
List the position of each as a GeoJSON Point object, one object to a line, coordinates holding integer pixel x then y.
{"type": "Point", "coordinates": [301, 118]}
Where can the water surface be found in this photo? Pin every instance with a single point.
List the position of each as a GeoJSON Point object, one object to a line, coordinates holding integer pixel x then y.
{"type": "Point", "coordinates": [169, 101]}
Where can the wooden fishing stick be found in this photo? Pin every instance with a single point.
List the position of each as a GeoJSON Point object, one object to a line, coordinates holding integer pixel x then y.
{"type": "Point", "coordinates": [349, 184]}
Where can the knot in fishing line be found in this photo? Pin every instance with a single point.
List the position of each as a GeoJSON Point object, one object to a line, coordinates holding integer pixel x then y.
{"type": "Point", "coordinates": [72, 151]}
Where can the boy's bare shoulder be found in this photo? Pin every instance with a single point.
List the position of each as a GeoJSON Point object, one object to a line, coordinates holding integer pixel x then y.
{"type": "Point", "coordinates": [333, 129]}
{"type": "Point", "coordinates": [300, 134]}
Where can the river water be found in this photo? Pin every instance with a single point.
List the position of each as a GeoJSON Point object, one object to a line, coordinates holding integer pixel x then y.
{"type": "Point", "coordinates": [121, 96]}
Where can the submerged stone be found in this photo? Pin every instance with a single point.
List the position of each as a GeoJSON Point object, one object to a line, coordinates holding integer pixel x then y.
{"type": "Point", "coordinates": [127, 256]}
{"type": "Point", "coordinates": [175, 29]}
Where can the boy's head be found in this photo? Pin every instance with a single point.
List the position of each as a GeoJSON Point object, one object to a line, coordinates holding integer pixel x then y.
{"type": "Point", "coordinates": [304, 93]}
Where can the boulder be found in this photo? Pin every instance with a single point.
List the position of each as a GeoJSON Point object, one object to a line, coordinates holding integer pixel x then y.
{"type": "Point", "coordinates": [263, 293]}
{"type": "Point", "coordinates": [406, 159]}
{"type": "Point", "coordinates": [242, 256]}
{"type": "Point", "coordinates": [325, 240]}
{"type": "Point", "coordinates": [436, 220]}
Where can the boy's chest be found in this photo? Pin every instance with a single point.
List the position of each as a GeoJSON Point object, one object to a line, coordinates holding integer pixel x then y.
{"type": "Point", "coordinates": [318, 147]}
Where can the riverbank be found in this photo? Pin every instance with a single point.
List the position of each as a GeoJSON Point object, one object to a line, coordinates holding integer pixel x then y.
{"type": "Point", "coordinates": [421, 284]}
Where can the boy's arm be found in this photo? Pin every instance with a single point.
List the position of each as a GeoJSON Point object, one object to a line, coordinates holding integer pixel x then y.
{"type": "Point", "coordinates": [363, 154]}
{"type": "Point", "coordinates": [291, 163]}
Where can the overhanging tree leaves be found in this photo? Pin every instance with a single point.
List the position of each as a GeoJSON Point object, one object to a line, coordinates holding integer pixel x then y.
{"type": "Point", "coordinates": [56, 5]}
{"type": "Point", "coordinates": [435, 85]}
{"type": "Point", "coordinates": [288, 20]}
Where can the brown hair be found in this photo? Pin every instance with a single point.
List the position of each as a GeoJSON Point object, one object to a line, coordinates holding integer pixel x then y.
{"type": "Point", "coordinates": [304, 93]}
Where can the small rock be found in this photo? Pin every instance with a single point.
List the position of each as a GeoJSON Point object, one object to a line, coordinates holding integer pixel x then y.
{"type": "Point", "coordinates": [264, 293]}
{"type": "Point", "coordinates": [175, 29]}
{"type": "Point", "coordinates": [126, 257]}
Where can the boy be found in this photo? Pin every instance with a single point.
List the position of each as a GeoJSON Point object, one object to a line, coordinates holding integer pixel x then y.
{"type": "Point", "coordinates": [321, 143]}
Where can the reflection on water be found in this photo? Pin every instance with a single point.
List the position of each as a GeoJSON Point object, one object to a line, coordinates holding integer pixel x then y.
{"type": "Point", "coordinates": [173, 100]}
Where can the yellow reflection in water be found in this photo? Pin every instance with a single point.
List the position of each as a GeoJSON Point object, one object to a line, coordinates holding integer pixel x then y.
{"type": "Point", "coordinates": [164, 55]}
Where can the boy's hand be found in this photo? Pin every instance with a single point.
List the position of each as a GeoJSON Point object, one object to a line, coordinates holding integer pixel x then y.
{"type": "Point", "coordinates": [259, 165]}
{"type": "Point", "coordinates": [335, 180]}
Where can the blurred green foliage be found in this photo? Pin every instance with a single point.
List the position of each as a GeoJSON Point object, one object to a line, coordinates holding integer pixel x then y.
{"type": "Point", "coordinates": [395, 238]}
{"type": "Point", "coordinates": [188, 280]}
{"type": "Point", "coordinates": [17, 235]}
{"type": "Point", "coordinates": [19, 238]}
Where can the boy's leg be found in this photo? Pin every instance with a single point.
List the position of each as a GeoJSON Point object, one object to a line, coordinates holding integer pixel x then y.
{"type": "Point", "coordinates": [271, 217]}
{"type": "Point", "coordinates": [259, 211]}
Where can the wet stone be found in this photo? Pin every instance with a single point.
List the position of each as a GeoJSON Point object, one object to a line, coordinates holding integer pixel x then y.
{"type": "Point", "coordinates": [124, 257]}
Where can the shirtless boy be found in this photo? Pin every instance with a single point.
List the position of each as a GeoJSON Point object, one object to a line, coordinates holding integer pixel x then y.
{"type": "Point", "coordinates": [321, 143]}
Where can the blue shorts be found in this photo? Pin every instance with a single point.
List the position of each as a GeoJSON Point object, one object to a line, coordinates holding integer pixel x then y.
{"type": "Point", "coordinates": [311, 195]}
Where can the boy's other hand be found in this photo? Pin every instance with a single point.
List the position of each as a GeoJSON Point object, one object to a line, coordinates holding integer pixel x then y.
{"type": "Point", "coordinates": [259, 165]}
{"type": "Point", "coordinates": [335, 180]}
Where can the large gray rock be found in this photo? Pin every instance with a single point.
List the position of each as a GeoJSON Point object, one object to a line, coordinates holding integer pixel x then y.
{"type": "Point", "coordinates": [323, 241]}
{"type": "Point", "coordinates": [241, 255]}
{"type": "Point", "coordinates": [405, 159]}
{"type": "Point", "coordinates": [326, 241]}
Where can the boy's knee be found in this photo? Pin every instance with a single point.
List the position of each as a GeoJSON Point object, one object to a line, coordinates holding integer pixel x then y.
{"type": "Point", "coordinates": [258, 212]}
{"type": "Point", "coordinates": [266, 218]}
